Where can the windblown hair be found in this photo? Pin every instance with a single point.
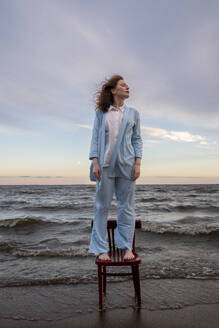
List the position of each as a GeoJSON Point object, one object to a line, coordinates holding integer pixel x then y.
{"type": "Point", "coordinates": [104, 96]}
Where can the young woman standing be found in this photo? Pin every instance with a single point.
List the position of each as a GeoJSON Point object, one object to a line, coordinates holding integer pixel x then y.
{"type": "Point", "coordinates": [116, 152]}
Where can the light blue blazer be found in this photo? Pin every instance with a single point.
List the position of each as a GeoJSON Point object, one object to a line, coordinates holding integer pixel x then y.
{"type": "Point", "coordinates": [128, 146]}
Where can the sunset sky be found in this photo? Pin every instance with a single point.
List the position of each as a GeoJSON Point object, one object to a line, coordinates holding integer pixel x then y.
{"type": "Point", "coordinates": [55, 54]}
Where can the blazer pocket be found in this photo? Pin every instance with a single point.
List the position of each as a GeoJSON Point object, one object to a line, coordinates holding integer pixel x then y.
{"type": "Point", "coordinates": [130, 124]}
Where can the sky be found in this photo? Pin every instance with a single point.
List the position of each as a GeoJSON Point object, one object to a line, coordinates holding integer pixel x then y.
{"type": "Point", "coordinates": [55, 55]}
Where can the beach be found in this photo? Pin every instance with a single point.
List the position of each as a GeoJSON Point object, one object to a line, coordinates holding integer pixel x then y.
{"type": "Point", "coordinates": [167, 303]}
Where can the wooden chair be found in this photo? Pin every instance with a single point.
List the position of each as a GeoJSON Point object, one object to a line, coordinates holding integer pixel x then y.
{"type": "Point", "coordinates": [116, 259]}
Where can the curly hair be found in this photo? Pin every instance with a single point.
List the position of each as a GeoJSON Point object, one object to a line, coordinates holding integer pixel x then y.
{"type": "Point", "coordinates": [104, 96]}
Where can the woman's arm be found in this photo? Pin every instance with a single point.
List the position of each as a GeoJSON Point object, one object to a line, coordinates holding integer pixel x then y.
{"type": "Point", "coordinates": [94, 140]}
{"type": "Point", "coordinates": [137, 140]}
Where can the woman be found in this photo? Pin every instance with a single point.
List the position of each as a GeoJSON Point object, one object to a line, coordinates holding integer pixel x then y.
{"type": "Point", "coordinates": [115, 151]}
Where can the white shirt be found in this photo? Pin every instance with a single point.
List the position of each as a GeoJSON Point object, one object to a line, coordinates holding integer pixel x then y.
{"type": "Point", "coordinates": [113, 122]}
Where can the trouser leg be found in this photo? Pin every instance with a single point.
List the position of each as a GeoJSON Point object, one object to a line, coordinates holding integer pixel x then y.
{"type": "Point", "coordinates": [125, 193]}
{"type": "Point", "coordinates": [104, 195]}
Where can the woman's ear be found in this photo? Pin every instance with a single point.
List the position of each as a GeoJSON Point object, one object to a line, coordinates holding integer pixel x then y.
{"type": "Point", "coordinates": [113, 91]}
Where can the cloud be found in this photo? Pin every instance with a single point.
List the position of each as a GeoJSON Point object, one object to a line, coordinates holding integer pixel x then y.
{"type": "Point", "coordinates": [60, 54]}
{"type": "Point", "coordinates": [203, 143]}
{"type": "Point", "coordinates": [8, 129]}
{"type": "Point", "coordinates": [54, 70]}
{"type": "Point", "coordinates": [84, 126]}
{"type": "Point", "coordinates": [152, 141]}
{"type": "Point", "coordinates": [179, 136]}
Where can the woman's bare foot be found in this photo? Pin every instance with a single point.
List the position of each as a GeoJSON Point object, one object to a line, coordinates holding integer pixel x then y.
{"type": "Point", "coordinates": [128, 255]}
{"type": "Point", "coordinates": [104, 256]}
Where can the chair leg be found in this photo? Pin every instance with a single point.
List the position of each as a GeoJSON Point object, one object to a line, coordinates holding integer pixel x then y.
{"type": "Point", "coordinates": [104, 280]}
{"type": "Point", "coordinates": [138, 285]}
{"type": "Point", "coordinates": [134, 279]}
{"type": "Point", "coordinates": [100, 285]}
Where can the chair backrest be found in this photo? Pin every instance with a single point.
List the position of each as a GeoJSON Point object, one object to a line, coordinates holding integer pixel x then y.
{"type": "Point", "coordinates": [111, 225]}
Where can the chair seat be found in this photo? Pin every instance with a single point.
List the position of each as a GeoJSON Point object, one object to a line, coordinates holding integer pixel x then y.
{"type": "Point", "coordinates": [116, 258]}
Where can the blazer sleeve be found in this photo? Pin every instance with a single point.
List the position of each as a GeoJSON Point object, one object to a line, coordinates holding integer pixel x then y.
{"type": "Point", "coordinates": [136, 137]}
{"type": "Point", "coordinates": [94, 139]}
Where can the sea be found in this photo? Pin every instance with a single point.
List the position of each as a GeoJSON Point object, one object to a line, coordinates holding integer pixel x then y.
{"type": "Point", "coordinates": [45, 233]}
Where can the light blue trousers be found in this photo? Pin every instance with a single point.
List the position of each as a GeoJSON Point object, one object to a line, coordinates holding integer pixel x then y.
{"type": "Point", "coordinates": [124, 190]}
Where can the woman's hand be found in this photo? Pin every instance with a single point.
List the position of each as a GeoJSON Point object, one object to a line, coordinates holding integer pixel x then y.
{"type": "Point", "coordinates": [135, 172]}
{"type": "Point", "coordinates": [97, 170]}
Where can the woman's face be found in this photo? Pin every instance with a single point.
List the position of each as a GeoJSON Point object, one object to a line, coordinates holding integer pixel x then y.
{"type": "Point", "coordinates": [121, 90]}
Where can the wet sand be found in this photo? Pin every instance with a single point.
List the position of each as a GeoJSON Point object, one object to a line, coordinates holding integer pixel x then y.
{"type": "Point", "coordinates": [180, 303]}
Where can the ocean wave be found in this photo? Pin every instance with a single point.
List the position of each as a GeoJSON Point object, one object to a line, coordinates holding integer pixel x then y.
{"type": "Point", "coordinates": [184, 208]}
{"type": "Point", "coordinates": [4, 246]}
{"type": "Point", "coordinates": [12, 201]}
{"type": "Point", "coordinates": [58, 207]}
{"type": "Point", "coordinates": [69, 252]}
{"type": "Point", "coordinates": [23, 205]}
{"type": "Point", "coordinates": [5, 204]}
{"type": "Point", "coordinates": [210, 208]}
{"type": "Point", "coordinates": [186, 229]}
{"type": "Point", "coordinates": [85, 279]}
{"type": "Point", "coordinates": [190, 219]}
{"type": "Point", "coordinates": [153, 199]}
{"type": "Point", "coordinates": [37, 220]}
{"type": "Point", "coordinates": [36, 192]}
{"type": "Point", "coordinates": [205, 190]}
{"type": "Point", "coordinates": [150, 273]}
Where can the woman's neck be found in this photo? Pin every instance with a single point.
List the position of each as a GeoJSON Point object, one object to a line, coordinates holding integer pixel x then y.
{"type": "Point", "coordinates": [118, 103]}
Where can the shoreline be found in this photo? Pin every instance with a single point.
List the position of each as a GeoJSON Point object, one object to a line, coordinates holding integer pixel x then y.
{"type": "Point", "coordinates": [165, 303]}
